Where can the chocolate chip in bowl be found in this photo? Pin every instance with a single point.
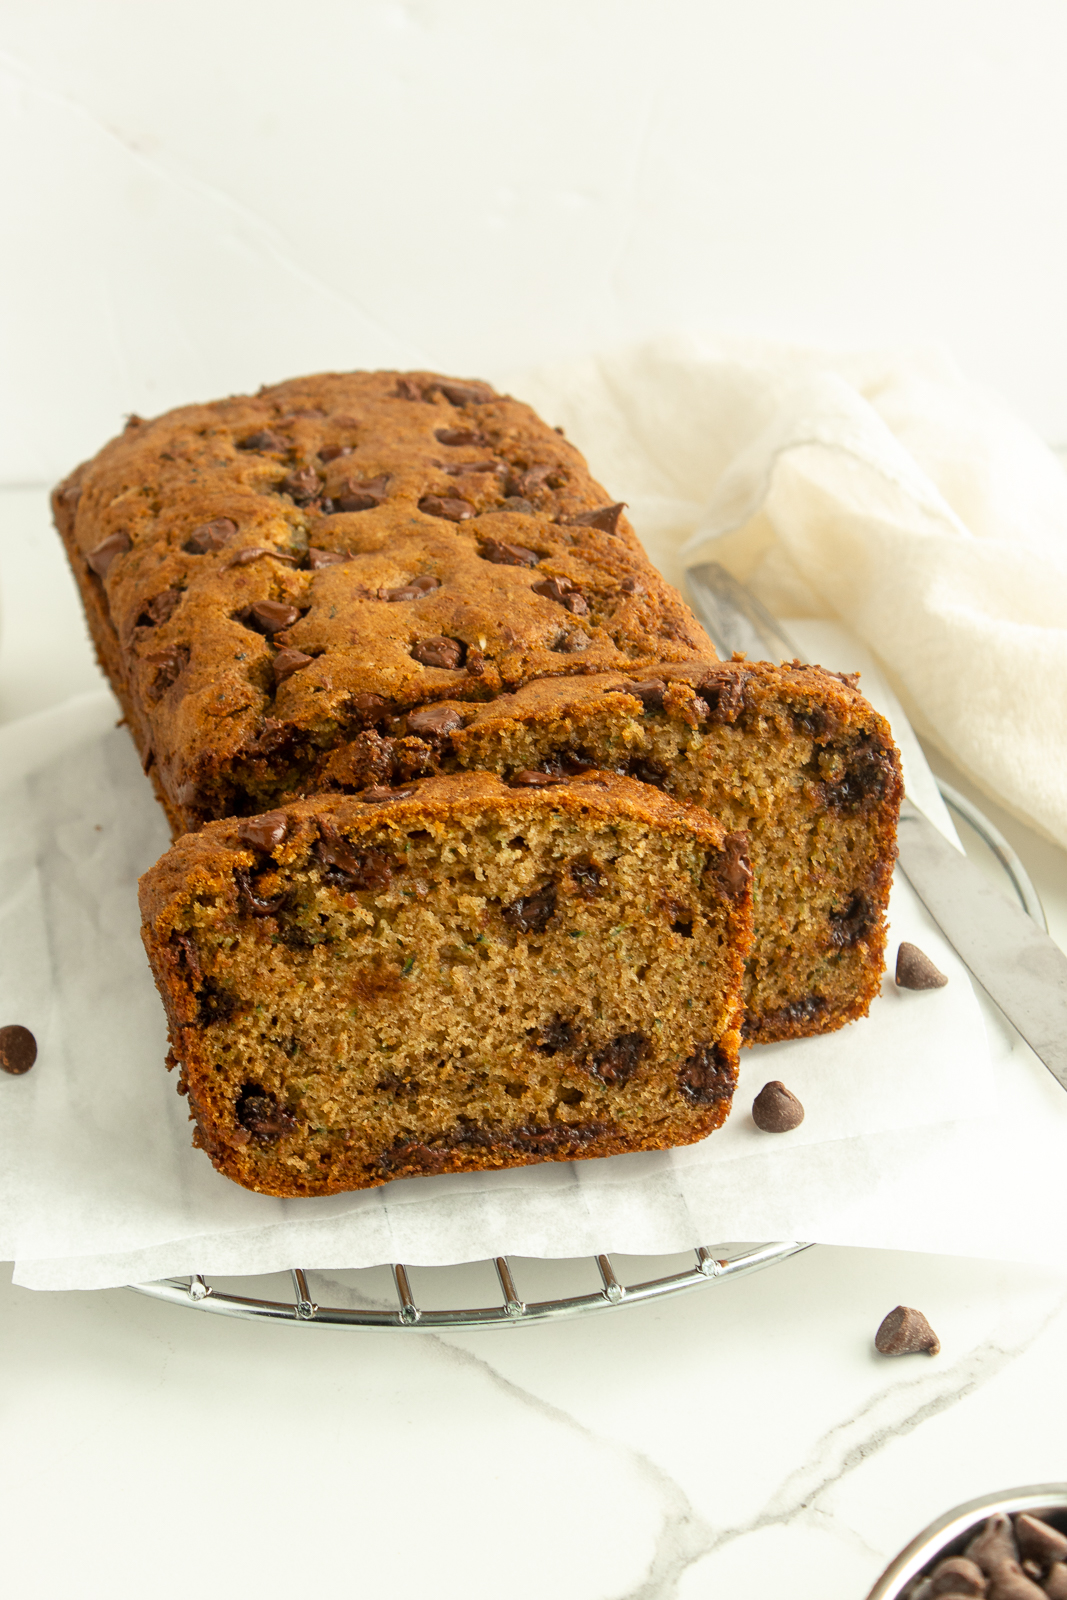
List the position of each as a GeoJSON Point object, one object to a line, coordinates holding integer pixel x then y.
{"type": "Point", "coordinates": [1004, 1546]}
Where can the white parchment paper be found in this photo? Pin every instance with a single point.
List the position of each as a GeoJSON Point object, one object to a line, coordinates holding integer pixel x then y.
{"type": "Point", "coordinates": [99, 1184]}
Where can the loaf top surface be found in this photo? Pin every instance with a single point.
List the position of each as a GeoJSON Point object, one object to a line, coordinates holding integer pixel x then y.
{"type": "Point", "coordinates": [351, 542]}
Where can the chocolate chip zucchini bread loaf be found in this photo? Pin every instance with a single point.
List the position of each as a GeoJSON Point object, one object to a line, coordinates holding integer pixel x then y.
{"type": "Point", "coordinates": [457, 974]}
{"type": "Point", "coordinates": [357, 580]}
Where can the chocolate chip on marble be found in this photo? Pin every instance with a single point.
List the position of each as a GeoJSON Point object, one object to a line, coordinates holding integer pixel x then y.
{"type": "Point", "coordinates": [101, 557]}
{"type": "Point", "coordinates": [507, 555]}
{"type": "Point", "coordinates": [1038, 1541]}
{"type": "Point", "coordinates": [434, 721]}
{"type": "Point", "coordinates": [956, 1576]}
{"type": "Point", "coordinates": [606, 518]}
{"type": "Point", "coordinates": [265, 832]}
{"type": "Point", "coordinates": [414, 589]}
{"type": "Point", "coordinates": [776, 1109]}
{"type": "Point", "coordinates": [532, 913]}
{"type": "Point", "coordinates": [528, 779]}
{"type": "Point", "coordinates": [333, 452]}
{"type": "Point", "coordinates": [270, 616]}
{"type": "Point", "coordinates": [18, 1049]}
{"type": "Point", "coordinates": [286, 662]}
{"type": "Point", "coordinates": [564, 593]}
{"type": "Point", "coordinates": [448, 507]}
{"type": "Point", "coordinates": [439, 652]}
{"type": "Point", "coordinates": [265, 442]}
{"type": "Point", "coordinates": [357, 496]}
{"type": "Point", "coordinates": [650, 692]}
{"type": "Point", "coordinates": [906, 1332]}
{"type": "Point", "coordinates": [303, 485]}
{"type": "Point", "coordinates": [210, 536]}
{"type": "Point", "coordinates": [459, 436]}
{"type": "Point", "coordinates": [318, 558]}
{"type": "Point", "coordinates": [915, 970]}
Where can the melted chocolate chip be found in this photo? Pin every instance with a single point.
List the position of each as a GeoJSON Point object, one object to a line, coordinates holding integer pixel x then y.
{"type": "Point", "coordinates": [101, 557]}
{"type": "Point", "coordinates": [414, 589]}
{"type": "Point", "coordinates": [269, 616]}
{"type": "Point", "coordinates": [571, 643]}
{"type": "Point", "coordinates": [254, 552]}
{"type": "Point", "coordinates": [407, 389]}
{"type": "Point", "coordinates": [587, 877]}
{"type": "Point", "coordinates": [448, 507]}
{"type": "Point", "coordinates": [434, 721]}
{"type": "Point", "coordinates": [631, 586]}
{"type": "Point", "coordinates": [915, 970]}
{"type": "Point", "coordinates": [18, 1049]}
{"type": "Point", "coordinates": [333, 452]}
{"type": "Point", "coordinates": [439, 652]}
{"type": "Point", "coordinates": [286, 662]}
{"type": "Point", "coordinates": [707, 1076]}
{"type": "Point", "coordinates": [532, 913]}
{"type": "Point", "coordinates": [303, 485]}
{"type": "Point", "coordinates": [606, 518]}
{"type": "Point", "coordinates": [368, 707]}
{"type": "Point", "coordinates": [259, 905]}
{"type": "Point", "coordinates": [350, 868]}
{"type": "Point", "coordinates": [465, 394]}
{"type": "Point", "coordinates": [356, 496]}
{"type": "Point", "coordinates": [169, 665]}
{"type": "Point", "coordinates": [848, 927]}
{"type": "Point", "coordinates": [780, 1022]}
{"type": "Point", "coordinates": [507, 555]}
{"type": "Point", "coordinates": [523, 484]}
{"type": "Point", "coordinates": [618, 1060]}
{"type": "Point", "coordinates": [515, 503]}
{"type": "Point", "coordinates": [260, 1115]}
{"type": "Point", "coordinates": [554, 1036]}
{"type": "Point", "coordinates": [317, 558]}
{"type": "Point", "coordinates": [731, 866]}
{"type": "Point", "coordinates": [210, 536]}
{"type": "Point", "coordinates": [648, 772]}
{"type": "Point", "coordinates": [376, 795]}
{"type": "Point", "coordinates": [459, 436]}
{"type": "Point", "coordinates": [214, 1004]}
{"type": "Point", "coordinates": [723, 692]}
{"type": "Point", "coordinates": [264, 832]}
{"type": "Point", "coordinates": [535, 780]}
{"type": "Point", "coordinates": [776, 1109]}
{"type": "Point", "coordinates": [265, 442]}
{"type": "Point", "coordinates": [160, 609]}
{"type": "Point", "coordinates": [650, 692]}
{"type": "Point", "coordinates": [564, 593]}
{"type": "Point", "coordinates": [906, 1332]}
{"type": "Point", "coordinates": [870, 775]}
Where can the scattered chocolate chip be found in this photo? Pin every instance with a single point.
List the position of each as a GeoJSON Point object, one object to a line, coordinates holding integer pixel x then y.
{"type": "Point", "coordinates": [303, 485]}
{"type": "Point", "coordinates": [650, 692]}
{"type": "Point", "coordinates": [414, 589]}
{"type": "Point", "coordinates": [906, 1332]}
{"type": "Point", "coordinates": [507, 555]}
{"type": "Point", "coordinates": [707, 1076]}
{"type": "Point", "coordinates": [465, 394]}
{"type": "Point", "coordinates": [160, 609]}
{"type": "Point", "coordinates": [956, 1576]}
{"type": "Point", "coordinates": [439, 652]}
{"type": "Point", "coordinates": [333, 452]}
{"type": "Point", "coordinates": [434, 721]}
{"type": "Point", "coordinates": [535, 780]}
{"type": "Point", "coordinates": [564, 593]}
{"type": "Point", "coordinates": [378, 793]}
{"type": "Point", "coordinates": [459, 436]}
{"type": "Point", "coordinates": [265, 441]}
{"type": "Point", "coordinates": [776, 1109]}
{"type": "Point", "coordinates": [101, 557]}
{"type": "Point", "coordinates": [617, 1061]}
{"type": "Point", "coordinates": [1037, 1541]}
{"type": "Point", "coordinates": [269, 616]}
{"type": "Point", "coordinates": [18, 1049]}
{"type": "Point", "coordinates": [265, 832]}
{"type": "Point", "coordinates": [317, 558]}
{"type": "Point", "coordinates": [606, 518]}
{"type": "Point", "coordinates": [168, 666]}
{"type": "Point", "coordinates": [260, 1115]}
{"type": "Point", "coordinates": [915, 970]}
{"type": "Point", "coordinates": [356, 496]}
{"type": "Point", "coordinates": [286, 662]}
{"type": "Point", "coordinates": [210, 536]}
{"type": "Point", "coordinates": [532, 913]}
{"type": "Point", "coordinates": [259, 905]}
{"type": "Point", "coordinates": [448, 507]}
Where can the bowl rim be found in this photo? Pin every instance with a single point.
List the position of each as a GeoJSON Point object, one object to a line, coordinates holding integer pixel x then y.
{"type": "Point", "coordinates": [911, 1560]}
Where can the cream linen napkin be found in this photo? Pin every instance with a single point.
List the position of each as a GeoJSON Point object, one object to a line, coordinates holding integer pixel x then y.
{"type": "Point", "coordinates": [878, 489]}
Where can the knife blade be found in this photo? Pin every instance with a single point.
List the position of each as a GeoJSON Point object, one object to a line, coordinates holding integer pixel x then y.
{"type": "Point", "coordinates": [1021, 969]}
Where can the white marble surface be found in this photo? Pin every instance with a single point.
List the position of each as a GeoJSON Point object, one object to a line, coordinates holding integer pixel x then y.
{"type": "Point", "coordinates": [203, 198]}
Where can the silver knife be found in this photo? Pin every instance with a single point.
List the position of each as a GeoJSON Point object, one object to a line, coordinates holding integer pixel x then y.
{"type": "Point", "coordinates": [1017, 964]}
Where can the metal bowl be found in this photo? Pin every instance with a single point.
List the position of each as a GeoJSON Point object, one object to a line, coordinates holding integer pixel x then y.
{"type": "Point", "coordinates": [950, 1534]}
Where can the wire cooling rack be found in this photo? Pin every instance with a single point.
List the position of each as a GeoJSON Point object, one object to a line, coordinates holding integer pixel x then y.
{"type": "Point", "coordinates": [368, 1309]}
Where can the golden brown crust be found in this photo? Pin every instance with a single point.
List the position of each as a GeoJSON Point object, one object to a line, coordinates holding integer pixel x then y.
{"type": "Point", "coordinates": [202, 890]}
